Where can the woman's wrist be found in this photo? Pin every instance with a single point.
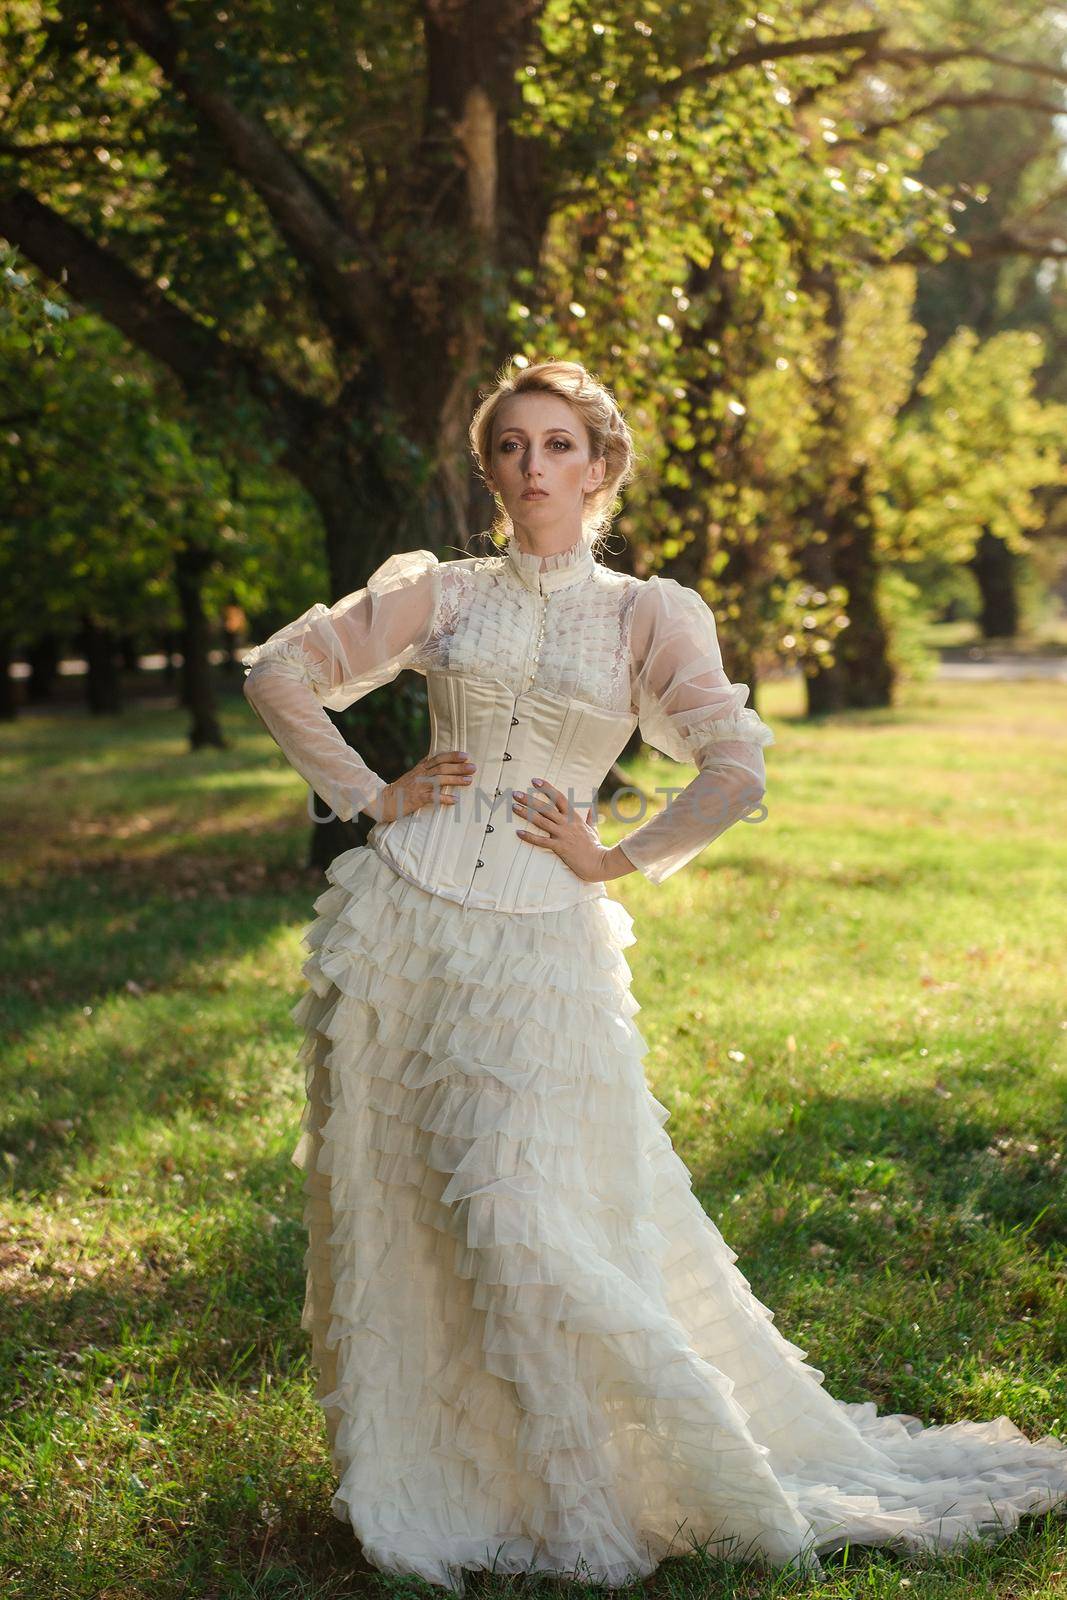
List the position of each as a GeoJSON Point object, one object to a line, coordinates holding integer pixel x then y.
{"type": "Point", "coordinates": [371, 803]}
{"type": "Point", "coordinates": [615, 863]}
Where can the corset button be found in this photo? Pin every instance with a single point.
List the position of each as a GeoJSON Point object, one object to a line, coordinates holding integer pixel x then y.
{"type": "Point", "coordinates": [507, 755]}
{"type": "Point", "coordinates": [514, 722]}
{"type": "Point", "coordinates": [481, 863]}
{"type": "Point", "coordinates": [490, 829]}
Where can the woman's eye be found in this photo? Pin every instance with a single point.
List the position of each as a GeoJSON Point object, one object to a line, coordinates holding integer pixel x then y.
{"type": "Point", "coordinates": [508, 442]}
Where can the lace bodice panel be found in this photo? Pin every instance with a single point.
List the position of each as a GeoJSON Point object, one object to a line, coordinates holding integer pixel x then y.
{"type": "Point", "coordinates": [572, 641]}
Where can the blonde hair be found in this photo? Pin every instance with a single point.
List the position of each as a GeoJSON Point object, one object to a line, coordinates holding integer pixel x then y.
{"type": "Point", "coordinates": [608, 432]}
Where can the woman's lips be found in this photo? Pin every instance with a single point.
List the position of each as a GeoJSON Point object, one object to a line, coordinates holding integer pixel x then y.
{"type": "Point", "coordinates": [535, 494]}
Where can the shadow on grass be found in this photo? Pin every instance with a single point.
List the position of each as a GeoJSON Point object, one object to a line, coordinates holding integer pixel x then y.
{"type": "Point", "coordinates": [946, 1159]}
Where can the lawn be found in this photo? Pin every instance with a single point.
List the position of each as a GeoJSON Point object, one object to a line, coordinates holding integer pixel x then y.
{"type": "Point", "coordinates": [855, 1011]}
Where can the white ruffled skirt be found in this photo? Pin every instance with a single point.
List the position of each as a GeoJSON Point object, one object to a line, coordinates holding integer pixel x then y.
{"type": "Point", "coordinates": [533, 1348]}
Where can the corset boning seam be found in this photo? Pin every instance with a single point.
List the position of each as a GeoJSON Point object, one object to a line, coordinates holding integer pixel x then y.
{"type": "Point", "coordinates": [572, 721]}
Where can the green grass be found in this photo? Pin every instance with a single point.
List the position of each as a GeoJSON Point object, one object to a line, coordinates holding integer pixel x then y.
{"type": "Point", "coordinates": [855, 1011]}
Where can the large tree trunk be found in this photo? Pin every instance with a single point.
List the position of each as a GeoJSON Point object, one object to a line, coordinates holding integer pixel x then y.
{"type": "Point", "coordinates": [862, 674]}
{"type": "Point", "coordinates": [824, 685]}
{"type": "Point", "coordinates": [129, 652]}
{"type": "Point", "coordinates": [233, 623]}
{"type": "Point", "coordinates": [720, 457]}
{"type": "Point", "coordinates": [996, 569]}
{"type": "Point", "coordinates": [198, 691]}
{"type": "Point", "coordinates": [170, 648]}
{"type": "Point", "coordinates": [863, 647]}
{"type": "Point", "coordinates": [743, 582]}
{"type": "Point", "coordinates": [8, 698]}
{"type": "Point", "coordinates": [43, 657]}
{"type": "Point", "coordinates": [103, 689]}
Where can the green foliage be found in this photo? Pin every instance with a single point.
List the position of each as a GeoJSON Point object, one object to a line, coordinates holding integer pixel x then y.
{"type": "Point", "coordinates": [106, 473]}
{"type": "Point", "coordinates": [907, 610]}
{"type": "Point", "coordinates": [973, 452]}
{"type": "Point", "coordinates": [29, 318]}
{"type": "Point", "coordinates": [818, 618]}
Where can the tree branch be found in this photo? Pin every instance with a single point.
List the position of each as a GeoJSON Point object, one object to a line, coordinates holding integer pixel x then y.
{"type": "Point", "coordinates": [1006, 243]}
{"type": "Point", "coordinates": [844, 71]}
{"type": "Point", "coordinates": [1053, 197]}
{"type": "Point", "coordinates": [704, 72]}
{"type": "Point", "coordinates": [333, 256]}
{"type": "Point", "coordinates": [1001, 243]}
{"type": "Point", "coordinates": [951, 102]}
{"type": "Point", "coordinates": [906, 56]}
{"type": "Point", "coordinates": [99, 279]}
{"type": "Point", "coordinates": [47, 146]}
{"type": "Point", "coordinates": [871, 50]}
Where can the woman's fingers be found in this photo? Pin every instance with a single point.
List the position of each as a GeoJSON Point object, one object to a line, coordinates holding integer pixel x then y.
{"type": "Point", "coordinates": [556, 796]}
{"type": "Point", "coordinates": [448, 769]}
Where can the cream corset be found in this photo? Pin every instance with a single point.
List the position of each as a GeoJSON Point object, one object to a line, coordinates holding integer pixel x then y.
{"type": "Point", "coordinates": [471, 851]}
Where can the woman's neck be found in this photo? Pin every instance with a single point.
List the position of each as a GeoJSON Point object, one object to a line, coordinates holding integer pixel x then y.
{"type": "Point", "coordinates": [555, 553]}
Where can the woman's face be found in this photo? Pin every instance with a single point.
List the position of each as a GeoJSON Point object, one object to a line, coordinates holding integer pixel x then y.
{"type": "Point", "coordinates": [540, 443]}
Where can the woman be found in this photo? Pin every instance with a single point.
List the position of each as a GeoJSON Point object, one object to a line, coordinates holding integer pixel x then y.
{"type": "Point", "coordinates": [533, 1349]}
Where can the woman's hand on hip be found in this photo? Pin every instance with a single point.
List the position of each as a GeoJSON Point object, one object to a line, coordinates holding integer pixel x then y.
{"type": "Point", "coordinates": [557, 826]}
{"type": "Point", "coordinates": [428, 783]}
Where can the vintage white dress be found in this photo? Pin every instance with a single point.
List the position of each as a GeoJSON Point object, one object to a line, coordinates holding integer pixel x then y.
{"type": "Point", "coordinates": [534, 1350]}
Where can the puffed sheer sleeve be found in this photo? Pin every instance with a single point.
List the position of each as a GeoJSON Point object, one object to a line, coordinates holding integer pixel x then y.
{"type": "Point", "coordinates": [689, 709]}
{"type": "Point", "coordinates": [332, 656]}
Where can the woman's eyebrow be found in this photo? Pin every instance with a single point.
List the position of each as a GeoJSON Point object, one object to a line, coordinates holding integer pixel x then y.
{"type": "Point", "coordinates": [547, 430]}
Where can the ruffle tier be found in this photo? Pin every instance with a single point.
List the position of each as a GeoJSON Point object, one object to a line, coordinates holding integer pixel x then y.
{"type": "Point", "coordinates": [533, 1349]}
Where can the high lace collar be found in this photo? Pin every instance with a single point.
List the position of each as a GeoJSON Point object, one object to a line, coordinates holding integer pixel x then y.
{"type": "Point", "coordinates": [545, 573]}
